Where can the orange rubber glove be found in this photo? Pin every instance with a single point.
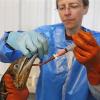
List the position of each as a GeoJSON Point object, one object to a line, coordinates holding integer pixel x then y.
{"type": "Point", "coordinates": [13, 92]}
{"type": "Point", "coordinates": [87, 52]}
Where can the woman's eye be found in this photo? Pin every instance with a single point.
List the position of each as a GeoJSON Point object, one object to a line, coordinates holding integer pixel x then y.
{"type": "Point", "coordinates": [74, 6]}
{"type": "Point", "coordinates": [61, 8]}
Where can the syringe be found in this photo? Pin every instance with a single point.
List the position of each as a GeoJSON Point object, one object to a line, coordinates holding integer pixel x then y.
{"type": "Point", "coordinates": [60, 53]}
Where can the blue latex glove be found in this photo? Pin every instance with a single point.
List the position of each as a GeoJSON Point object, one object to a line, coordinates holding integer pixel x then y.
{"type": "Point", "coordinates": [28, 43]}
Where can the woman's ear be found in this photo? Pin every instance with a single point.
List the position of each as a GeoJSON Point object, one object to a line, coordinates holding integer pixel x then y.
{"type": "Point", "coordinates": [85, 10]}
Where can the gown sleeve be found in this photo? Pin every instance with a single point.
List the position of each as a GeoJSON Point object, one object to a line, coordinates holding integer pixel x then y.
{"type": "Point", "coordinates": [7, 54]}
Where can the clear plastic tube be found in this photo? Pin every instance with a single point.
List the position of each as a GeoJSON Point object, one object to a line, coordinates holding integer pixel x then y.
{"type": "Point", "coordinates": [60, 53]}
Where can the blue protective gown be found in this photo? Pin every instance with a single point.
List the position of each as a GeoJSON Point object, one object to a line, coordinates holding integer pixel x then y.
{"type": "Point", "coordinates": [8, 54]}
{"type": "Point", "coordinates": [56, 80]}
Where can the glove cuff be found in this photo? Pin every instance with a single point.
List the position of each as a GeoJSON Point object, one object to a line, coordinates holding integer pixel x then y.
{"type": "Point", "coordinates": [94, 78]}
{"type": "Point", "coordinates": [94, 74]}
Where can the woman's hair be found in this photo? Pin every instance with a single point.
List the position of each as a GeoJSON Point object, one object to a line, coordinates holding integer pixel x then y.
{"type": "Point", "coordinates": [85, 2]}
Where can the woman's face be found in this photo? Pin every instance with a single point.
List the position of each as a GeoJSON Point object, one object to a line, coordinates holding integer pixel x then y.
{"type": "Point", "coordinates": [71, 12]}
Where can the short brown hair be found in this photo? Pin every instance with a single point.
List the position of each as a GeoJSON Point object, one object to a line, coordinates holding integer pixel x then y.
{"type": "Point", "coordinates": [85, 2]}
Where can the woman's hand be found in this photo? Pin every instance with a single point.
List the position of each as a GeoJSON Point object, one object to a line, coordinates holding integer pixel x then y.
{"type": "Point", "coordinates": [87, 52]}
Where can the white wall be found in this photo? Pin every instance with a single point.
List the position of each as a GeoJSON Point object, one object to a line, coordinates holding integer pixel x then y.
{"type": "Point", "coordinates": [9, 17]}
{"type": "Point", "coordinates": [28, 14]}
{"type": "Point", "coordinates": [33, 13]}
{"type": "Point", "coordinates": [91, 18]}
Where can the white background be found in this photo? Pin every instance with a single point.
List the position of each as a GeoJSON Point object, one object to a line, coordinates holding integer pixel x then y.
{"type": "Point", "coordinates": [28, 14]}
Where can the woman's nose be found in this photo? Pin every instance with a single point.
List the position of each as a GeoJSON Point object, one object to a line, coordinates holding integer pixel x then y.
{"type": "Point", "coordinates": [67, 11]}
